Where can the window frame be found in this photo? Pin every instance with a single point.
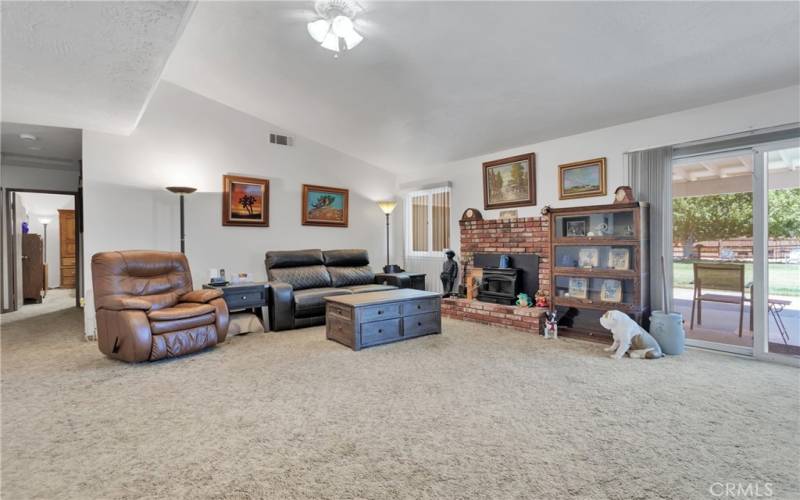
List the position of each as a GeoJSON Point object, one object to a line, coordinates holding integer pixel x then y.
{"type": "Point", "coordinates": [409, 221]}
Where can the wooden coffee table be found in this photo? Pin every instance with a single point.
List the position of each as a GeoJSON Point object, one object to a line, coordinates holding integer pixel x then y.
{"type": "Point", "coordinates": [374, 318]}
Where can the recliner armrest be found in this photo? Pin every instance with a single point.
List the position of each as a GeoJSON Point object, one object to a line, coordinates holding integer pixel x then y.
{"type": "Point", "coordinates": [400, 280]}
{"type": "Point", "coordinates": [201, 296]}
{"type": "Point", "coordinates": [122, 303]}
{"type": "Point", "coordinates": [281, 306]}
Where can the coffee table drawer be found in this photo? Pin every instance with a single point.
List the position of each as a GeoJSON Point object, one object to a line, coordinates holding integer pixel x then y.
{"type": "Point", "coordinates": [380, 312]}
{"type": "Point", "coordinates": [421, 306]}
{"type": "Point", "coordinates": [380, 331]}
{"type": "Point", "coordinates": [421, 324]}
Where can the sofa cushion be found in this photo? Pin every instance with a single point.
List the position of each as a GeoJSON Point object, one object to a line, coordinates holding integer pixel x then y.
{"type": "Point", "coordinates": [302, 277]}
{"type": "Point", "coordinates": [174, 325]}
{"type": "Point", "coordinates": [311, 302]}
{"type": "Point", "coordinates": [293, 258]}
{"type": "Point", "coordinates": [370, 288]}
{"type": "Point", "coordinates": [350, 276]}
{"type": "Point", "coordinates": [180, 311]}
{"type": "Point", "coordinates": [348, 258]}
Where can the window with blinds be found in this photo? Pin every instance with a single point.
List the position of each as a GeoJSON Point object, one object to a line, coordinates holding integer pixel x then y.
{"type": "Point", "coordinates": [428, 221]}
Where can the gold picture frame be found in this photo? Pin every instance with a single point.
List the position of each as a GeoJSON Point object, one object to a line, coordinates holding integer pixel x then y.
{"type": "Point", "coordinates": [510, 182]}
{"type": "Point", "coordinates": [245, 201]}
{"type": "Point", "coordinates": [582, 179]}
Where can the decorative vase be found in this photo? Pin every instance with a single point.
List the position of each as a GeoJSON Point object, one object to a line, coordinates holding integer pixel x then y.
{"type": "Point", "coordinates": [667, 329]}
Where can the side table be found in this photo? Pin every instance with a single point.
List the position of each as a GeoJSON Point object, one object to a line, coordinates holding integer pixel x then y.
{"type": "Point", "coordinates": [412, 280]}
{"type": "Point", "coordinates": [248, 296]}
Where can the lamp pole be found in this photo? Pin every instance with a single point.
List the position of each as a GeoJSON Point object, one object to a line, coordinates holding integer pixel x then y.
{"type": "Point", "coordinates": [387, 207]}
{"type": "Point", "coordinates": [181, 191]}
{"type": "Point", "coordinates": [387, 239]}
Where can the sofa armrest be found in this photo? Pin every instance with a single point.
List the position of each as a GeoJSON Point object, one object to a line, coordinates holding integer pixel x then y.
{"type": "Point", "coordinates": [124, 334]}
{"type": "Point", "coordinates": [201, 296]}
{"type": "Point", "coordinates": [122, 303]}
{"type": "Point", "coordinates": [400, 280]}
{"type": "Point", "coordinates": [281, 306]}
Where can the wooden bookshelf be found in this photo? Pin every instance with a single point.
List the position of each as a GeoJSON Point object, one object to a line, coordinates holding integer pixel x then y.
{"type": "Point", "coordinates": [599, 258]}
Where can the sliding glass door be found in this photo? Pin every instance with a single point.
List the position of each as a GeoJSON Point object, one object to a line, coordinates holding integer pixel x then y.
{"type": "Point", "coordinates": [736, 249]}
{"type": "Point", "coordinates": [712, 213]}
{"type": "Point", "coordinates": [777, 250]}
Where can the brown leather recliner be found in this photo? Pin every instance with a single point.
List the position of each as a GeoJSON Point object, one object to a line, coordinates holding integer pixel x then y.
{"type": "Point", "coordinates": [147, 310]}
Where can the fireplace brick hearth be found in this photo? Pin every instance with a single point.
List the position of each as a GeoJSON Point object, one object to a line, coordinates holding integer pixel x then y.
{"type": "Point", "coordinates": [529, 319]}
{"type": "Point", "coordinates": [522, 235]}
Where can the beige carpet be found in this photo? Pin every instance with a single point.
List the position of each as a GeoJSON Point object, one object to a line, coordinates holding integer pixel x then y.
{"type": "Point", "coordinates": [473, 413]}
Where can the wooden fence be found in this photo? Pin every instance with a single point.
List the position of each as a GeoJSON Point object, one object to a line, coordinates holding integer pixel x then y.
{"type": "Point", "coordinates": [740, 249]}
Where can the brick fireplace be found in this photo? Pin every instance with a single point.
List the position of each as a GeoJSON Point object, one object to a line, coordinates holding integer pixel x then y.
{"type": "Point", "coordinates": [495, 236]}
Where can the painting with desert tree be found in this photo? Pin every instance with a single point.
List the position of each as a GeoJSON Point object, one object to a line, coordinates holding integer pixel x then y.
{"type": "Point", "coordinates": [245, 201]}
{"type": "Point", "coordinates": [325, 206]}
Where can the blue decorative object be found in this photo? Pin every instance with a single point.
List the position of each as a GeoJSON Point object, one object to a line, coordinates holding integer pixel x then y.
{"type": "Point", "coordinates": [667, 329]}
{"type": "Point", "coordinates": [505, 262]}
{"type": "Point", "coordinates": [25, 228]}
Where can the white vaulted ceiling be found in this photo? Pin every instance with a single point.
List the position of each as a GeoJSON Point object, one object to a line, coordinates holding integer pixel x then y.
{"type": "Point", "coordinates": [439, 81]}
{"type": "Point", "coordinates": [432, 82]}
{"type": "Point", "coordinates": [88, 65]}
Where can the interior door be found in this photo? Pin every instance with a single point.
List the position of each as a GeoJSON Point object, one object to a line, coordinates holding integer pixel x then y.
{"type": "Point", "coordinates": [67, 247]}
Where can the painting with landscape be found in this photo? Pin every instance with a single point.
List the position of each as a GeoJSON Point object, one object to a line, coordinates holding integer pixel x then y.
{"type": "Point", "coordinates": [582, 179]}
{"type": "Point", "coordinates": [509, 182]}
{"type": "Point", "coordinates": [325, 206]}
{"type": "Point", "coordinates": [245, 201]}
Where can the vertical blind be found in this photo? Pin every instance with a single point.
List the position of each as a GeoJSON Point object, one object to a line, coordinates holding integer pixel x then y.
{"type": "Point", "coordinates": [428, 230]}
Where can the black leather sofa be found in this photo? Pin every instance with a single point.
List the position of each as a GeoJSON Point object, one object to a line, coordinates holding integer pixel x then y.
{"type": "Point", "coordinates": [301, 279]}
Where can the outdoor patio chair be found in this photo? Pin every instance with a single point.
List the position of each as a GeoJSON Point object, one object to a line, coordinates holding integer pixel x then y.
{"type": "Point", "coordinates": [719, 278]}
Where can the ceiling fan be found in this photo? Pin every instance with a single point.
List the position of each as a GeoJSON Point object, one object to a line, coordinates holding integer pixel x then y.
{"type": "Point", "coordinates": [334, 29]}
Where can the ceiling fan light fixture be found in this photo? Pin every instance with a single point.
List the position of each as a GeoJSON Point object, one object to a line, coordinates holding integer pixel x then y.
{"type": "Point", "coordinates": [331, 42]}
{"type": "Point", "coordinates": [352, 39]}
{"type": "Point", "coordinates": [334, 29]}
{"type": "Point", "coordinates": [319, 29]}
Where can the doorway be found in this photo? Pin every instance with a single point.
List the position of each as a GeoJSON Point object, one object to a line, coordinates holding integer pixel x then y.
{"type": "Point", "coordinates": [736, 249]}
{"type": "Point", "coordinates": [42, 250]}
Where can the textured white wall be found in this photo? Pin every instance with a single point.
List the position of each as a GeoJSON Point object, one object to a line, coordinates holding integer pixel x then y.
{"type": "Point", "coordinates": [186, 139]}
{"type": "Point", "coordinates": [763, 110]}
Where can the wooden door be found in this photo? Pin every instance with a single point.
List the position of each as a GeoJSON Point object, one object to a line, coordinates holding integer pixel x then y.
{"type": "Point", "coordinates": [66, 228]}
{"type": "Point", "coordinates": [32, 267]}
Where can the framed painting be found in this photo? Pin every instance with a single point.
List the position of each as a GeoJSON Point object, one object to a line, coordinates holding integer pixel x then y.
{"type": "Point", "coordinates": [582, 179]}
{"type": "Point", "coordinates": [510, 182]}
{"type": "Point", "coordinates": [245, 201]}
{"type": "Point", "coordinates": [325, 206]}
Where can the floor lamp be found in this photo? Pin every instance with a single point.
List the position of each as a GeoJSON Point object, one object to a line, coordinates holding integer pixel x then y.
{"type": "Point", "coordinates": [44, 221]}
{"type": "Point", "coordinates": [182, 190]}
{"type": "Point", "coordinates": [387, 207]}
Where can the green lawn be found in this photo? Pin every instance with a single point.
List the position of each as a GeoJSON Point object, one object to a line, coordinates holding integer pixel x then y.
{"type": "Point", "coordinates": [784, 279]}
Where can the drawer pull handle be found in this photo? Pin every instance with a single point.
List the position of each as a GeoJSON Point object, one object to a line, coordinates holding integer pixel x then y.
{"type": "Point", "coordinates": [419, 306]}
{"type": "Point", "coordinates": [419, 323]}
{"type": "Point", "coordinates": [380, 331]}
{"type": "Point", "coordinates": [380, 312]}
{"type": "Point", "coordinates": [244, 297]}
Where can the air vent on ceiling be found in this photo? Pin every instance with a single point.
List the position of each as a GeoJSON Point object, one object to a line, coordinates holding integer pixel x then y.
{"type": "Point", "coordinates": [281, 140]}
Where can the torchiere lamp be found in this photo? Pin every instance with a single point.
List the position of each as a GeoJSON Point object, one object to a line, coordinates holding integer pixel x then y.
{"type": "Point", "coordinates": [44, 221]}
{"type": "Point", "coordinates": [387, 207]}
{"type": "Point", "coordinates": [182, 190]}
